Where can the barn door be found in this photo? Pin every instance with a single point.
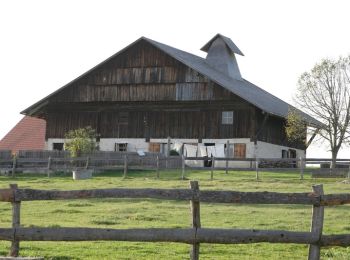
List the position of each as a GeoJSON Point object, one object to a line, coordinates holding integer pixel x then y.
{"type": "Point", "coordinates": [154, 147]}
{"type": "Point", "coordinates": [123, 120]}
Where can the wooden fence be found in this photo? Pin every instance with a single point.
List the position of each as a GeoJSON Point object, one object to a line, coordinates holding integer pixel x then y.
{"type": "Point", "coordinates": [193, 235]}
{"type": "Point", "coordinates": [157, 162]}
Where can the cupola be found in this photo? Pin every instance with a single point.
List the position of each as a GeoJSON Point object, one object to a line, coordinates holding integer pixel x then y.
{"type": "Point", "coordinates": [221, 55]}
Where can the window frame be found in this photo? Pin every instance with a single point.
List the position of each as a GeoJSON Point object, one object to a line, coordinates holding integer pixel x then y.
{"type": "Point", "coordinates": [119, 147]}
{"type": "Point", "coordinates": [227, 117]}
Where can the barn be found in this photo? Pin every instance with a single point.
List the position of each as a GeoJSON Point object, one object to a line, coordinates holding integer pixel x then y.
{"type": "Point", "coordinates": [149, 91]}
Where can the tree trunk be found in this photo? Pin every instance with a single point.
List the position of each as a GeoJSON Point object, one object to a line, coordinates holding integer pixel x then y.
{"type": "Point", "coordinates": [334, 159]}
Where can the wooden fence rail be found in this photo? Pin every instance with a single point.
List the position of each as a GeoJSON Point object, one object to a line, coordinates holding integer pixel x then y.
{"type": "Point", "coordinates": [194, 235]}
{"type": "Point", "coordinates": [155, 162]}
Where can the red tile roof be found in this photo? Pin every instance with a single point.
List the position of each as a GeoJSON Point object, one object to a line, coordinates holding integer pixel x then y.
{"type": "Point", "coordinates": [28, 134]}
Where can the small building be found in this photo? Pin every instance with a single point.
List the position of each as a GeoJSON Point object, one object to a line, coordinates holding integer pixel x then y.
{"type": "Point", "coordinates": [150, 91]}
{"type": "Point", "coordinates": [27, 134]}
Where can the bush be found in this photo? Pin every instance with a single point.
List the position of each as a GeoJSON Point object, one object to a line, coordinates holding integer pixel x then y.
{"type": "Point", "coordinates": [80, 141]}
{"type": "Point", "coordinates": [174, 152]}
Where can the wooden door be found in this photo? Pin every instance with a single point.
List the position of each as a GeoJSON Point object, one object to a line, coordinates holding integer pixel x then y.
{"type": "Point", "coordinates": [154, 147]}
{"type": "Point", "coordinates": [240, 151]}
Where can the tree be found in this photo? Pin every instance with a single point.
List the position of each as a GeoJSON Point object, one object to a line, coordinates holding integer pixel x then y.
{"type": "Point", "coordinates": [80, 141]}
{"type": "Point", "coordinates": [324, 93]}
{"type": "Point", "coordinates": [295, 126]}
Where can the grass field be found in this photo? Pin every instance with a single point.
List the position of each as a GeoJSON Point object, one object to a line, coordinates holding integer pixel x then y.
{"type": "Point", "coordinates": [127, 213]}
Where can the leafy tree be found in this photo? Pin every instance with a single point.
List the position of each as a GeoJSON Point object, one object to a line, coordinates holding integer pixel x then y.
{"type": "Point", "coordinates": [80, 141]}
{"type": "Point", "coordinates": [324, 93]}
{"type": "Point", "coordinates": [295, 126]}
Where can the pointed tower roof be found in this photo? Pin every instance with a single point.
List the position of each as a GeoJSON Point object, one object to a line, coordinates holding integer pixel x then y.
{"type": "Point", "coordinates": [221, 56]}
{"type": "Point", "coordinates": [229, 43]}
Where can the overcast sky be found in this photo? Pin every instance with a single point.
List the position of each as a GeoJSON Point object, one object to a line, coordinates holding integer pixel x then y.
{"type": "Point", "coordinates": [45, 44]}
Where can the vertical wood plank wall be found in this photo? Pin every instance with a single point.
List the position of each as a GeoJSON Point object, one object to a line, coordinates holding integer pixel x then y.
{"type": "Point", "coordinates": [161, 96]}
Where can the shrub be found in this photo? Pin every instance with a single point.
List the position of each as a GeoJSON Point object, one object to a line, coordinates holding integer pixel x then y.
{"type": "Point", "coordinates": [80, 141]}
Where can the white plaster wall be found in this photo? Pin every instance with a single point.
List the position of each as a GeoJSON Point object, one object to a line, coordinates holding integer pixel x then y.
{"type": "Point", "coordinates": [107, 144]}
{"type": "Point", "coordinates": [237, 164]}
{"type": "Point", "coordinates": [266, 150]}
{"type": "Point", "coordinates": [162, 140]}
{"type": "Point", "coordinates": [134, 144]}
{"type": "Point", "coordinates": [262, 150]}
{"type": "Point", "coordinates": [50, 141]}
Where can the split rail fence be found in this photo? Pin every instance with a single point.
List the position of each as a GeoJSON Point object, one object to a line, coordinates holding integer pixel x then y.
{"type": "Point", "coordinates": [195, 235]}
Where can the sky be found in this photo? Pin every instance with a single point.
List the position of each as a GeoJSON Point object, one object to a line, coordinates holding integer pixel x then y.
{"type": "Point", "coordinates": [46, 44]}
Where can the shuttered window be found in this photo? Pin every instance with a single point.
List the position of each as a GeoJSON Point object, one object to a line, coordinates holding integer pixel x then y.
{"type": "Point", "coordinates": [154, 147]}
{"type": "Point", "coordinates": [240, 151]}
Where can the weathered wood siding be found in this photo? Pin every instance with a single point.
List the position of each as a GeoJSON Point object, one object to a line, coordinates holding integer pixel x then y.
{"type": "Point", "coordinates": [144, 93]}
{"type": "Point", "coordinates": [57, 124]}
{"type": "Point", "coordinates": [153, 124]}
{"type": "Point", "coordinates": [142, 73]}
{"type": "Point", "coordinates": [274, 132]}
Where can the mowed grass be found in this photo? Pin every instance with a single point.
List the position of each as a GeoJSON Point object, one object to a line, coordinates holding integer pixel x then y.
{"type": "Point", "coordinates": [138, 213]}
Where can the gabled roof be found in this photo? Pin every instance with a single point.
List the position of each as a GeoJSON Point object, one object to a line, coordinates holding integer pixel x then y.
{"type": "Point", "coordinates": [28, 134]}
{"type": "Point", "coordinates": [242, 88]}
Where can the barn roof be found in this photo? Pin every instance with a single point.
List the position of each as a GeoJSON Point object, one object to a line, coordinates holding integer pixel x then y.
{"type": "Point", "coordinates": [242, 88]}
{"type": "Point", "coordinates": [28, 134]}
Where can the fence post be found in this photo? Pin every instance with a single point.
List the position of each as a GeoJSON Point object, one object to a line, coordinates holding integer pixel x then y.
{"type": "Point", "coordinates": [87, 162]}
{"type": "Point", "coordinates": [183, 166]}
{"type": "Point", "coordinates": [317, 224]}
{"type": "Point", "coordinates": [301, 168]}
{"type": "Point", "coordinates": [16, 213]}
{"type": "Point", "coordinates": [227, 155]}
{"type": "Point", "coordinates": [48, 166]}
{"type": "Point", "coordinates": [14, 165]}
{"type": "Point", "coordinates": [196, 220]}
{"type": "Point", "coordinates": [157, 162]}
{"type": "Point", "coordinates": [212, 168]}
{"type": "Point", "coordinates": [167, 153]}
{"type": "Point", "coordinates": [257, 168]}
{"type": "Point", "coordinates": [125, 165]}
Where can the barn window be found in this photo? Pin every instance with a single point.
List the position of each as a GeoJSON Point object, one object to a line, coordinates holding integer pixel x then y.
{"type": "Point", "coordinates": [121, 147]}
{"type": "Point", "coordinates": [227, 117]}
{"type": "Point", "coordinates": [284, 154]}
{"type": "Point", "coordinates": [240, 151]}
{"type": "Point", "coordinates": [57, 146]}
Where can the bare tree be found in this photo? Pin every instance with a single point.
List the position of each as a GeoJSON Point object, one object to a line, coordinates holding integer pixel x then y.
{"type": "Point", "coordinates": [324, 93]}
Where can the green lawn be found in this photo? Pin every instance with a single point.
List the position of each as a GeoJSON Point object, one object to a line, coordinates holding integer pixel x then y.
{"type": "Point", "coordinates": [127, 213]}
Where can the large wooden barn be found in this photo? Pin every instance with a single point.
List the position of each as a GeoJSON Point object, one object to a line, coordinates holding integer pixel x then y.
{"type": "Point", "coordinates": [150, 91]}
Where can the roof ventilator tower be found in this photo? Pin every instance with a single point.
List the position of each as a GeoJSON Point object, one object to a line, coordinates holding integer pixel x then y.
{"type": "Point", "coordinates": [221, 56]}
